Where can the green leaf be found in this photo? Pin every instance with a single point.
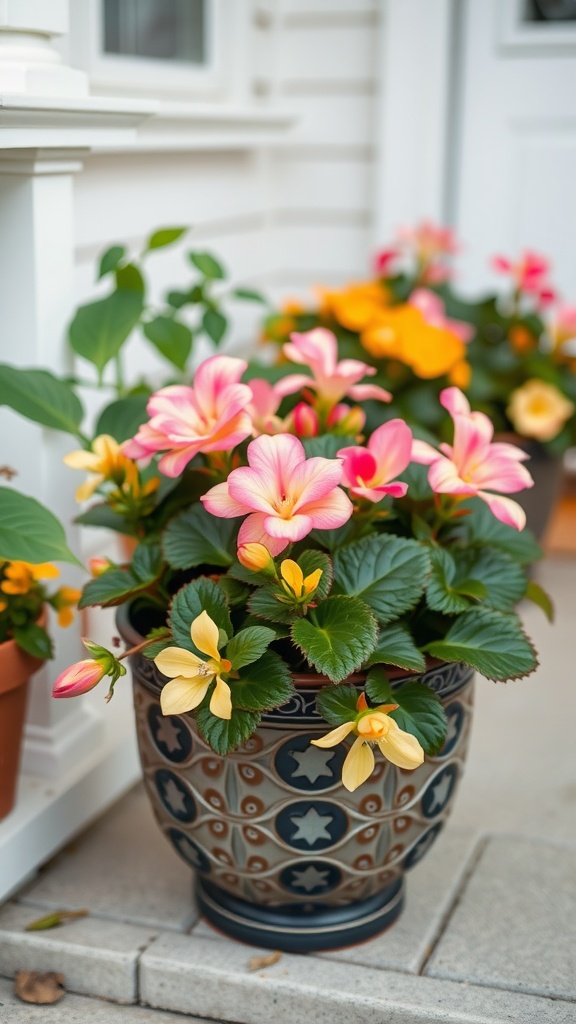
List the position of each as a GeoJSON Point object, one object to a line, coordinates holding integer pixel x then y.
{"type": "Point", "coordinates": [537, 594]}
{"type": "Point", "coordinates": [263, 685]}
{"type": "Point", "coordinates": [207, 265]}
{"type": "Point", "coordinates": [420, 711]}
{"type": "Point", "coordinates": [146, 563]}
{"type": "Point", "coordinates": [164, 236]}
{"type": "Point", "coordinates": [237, 593]}
{"type": "Point", "coordinates": [482, 526]}
{"type": "Point", "coordinates": [264, 605]}
{"type": "Point", "coordinates": [396, 647]}
{"type": "Point", "coordinates": [41, 397]}
{"type": "Point", "coordinates": [248, 645]}
{"type": "Point", "coordinates": [200, 595]}
{"type": "Point", "coordinates": [113, 587]}
{"type": "Point", "coordinates": [224, 735]}
{"type": "Point", "coordinates": [492, 642]}
{"type": "Point", "coordinates": [214, 324]}
{"type": "Point", "coordinates": [387, 572]}
{"type": "Point", "coordinates": [122, 419]}
{"type": "Point", "coordinates": [34, 640]}
{"type": "Point", "coordinates": [441, 593]}
{"type": "Point", "coordinates": [326, 446]}
{"type": "Point", "coordinates": [163, 639]}
{"type": "Point", "coordinates": [337, 637]}
{"type": "Point", "coordinates": [194, 537]}
{"type": "Point", "coordinates": [311, 560]}
{"type": "Point", "coordinates": [337, 704]}
{"type": "Point", "coordinates": [110, 260]}
{"type": "Point", "coordinates": [103, 516]}
{"type": "Point", "coordinates": [129, 278]}
{"type": "Point", "coordinates": [249, 296]}
{"type": "Point", "coordinates": [29, 532]}
{"type": "Point", "coordinates": [172, 339]}
{"type": "Point", "coordinates": [502, 576]}
{"type": "Point", "coordinates": [99, 329]}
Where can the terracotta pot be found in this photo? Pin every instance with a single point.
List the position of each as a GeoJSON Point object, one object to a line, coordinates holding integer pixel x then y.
{"type": "Point", "coordinates": [285, 857]}
{"type": "Point", "coordinates": [16, 667]}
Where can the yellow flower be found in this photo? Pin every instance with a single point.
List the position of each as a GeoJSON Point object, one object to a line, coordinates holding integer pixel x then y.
{"type": "Point", "coordinates": [191, 677]}
{"type": "Point", "coordinates": [294, 582]}
{"type": "Point", "coordinates": [373, 726]}
{"type": "Point", "coordinates": [402, 333]}
{"type": "Point", "coordinates": [21, 576]}
{"type": "Point", "coordinates": [354, 306]}
{"type": "Point", "coordinates": [539, 410]}
{"type": "Point", "coordinates": [64, 600]}
{"type": "Point", "coordinates": [255, 557]}
{"type": "Point", "coordinates": [460, 374]}
{"type": "Point", "coordinates": [104, 462]}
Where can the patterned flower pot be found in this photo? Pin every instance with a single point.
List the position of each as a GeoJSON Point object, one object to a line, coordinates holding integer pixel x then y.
{"type": "Point", "coordinates": [16, 667]}
{"type": "Point", "coordinates": [285, 857]}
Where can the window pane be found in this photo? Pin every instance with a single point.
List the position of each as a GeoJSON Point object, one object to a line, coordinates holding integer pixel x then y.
{"type": "Point", "coordinates": [158, 29]}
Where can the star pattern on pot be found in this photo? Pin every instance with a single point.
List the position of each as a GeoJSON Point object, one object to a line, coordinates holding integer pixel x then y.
{"type": "Point", "coordinates": [311, 826]}
{"type": "Point", "coordinates": [174, 797]}
{"type": "Point", "coordinates": [310, 879]}
{"type": "Point", "coordinates": [452, 730]}
{"type": "Point", "coordinates": [440, 793]}
{"type": "Point", "coordinates": [312, 763]}
{"type": "Point", "coordinates": [168, 734]}
{"type": "Point", "coordinates": [189, 851]}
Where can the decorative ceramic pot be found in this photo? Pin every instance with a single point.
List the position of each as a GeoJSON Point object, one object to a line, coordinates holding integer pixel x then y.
{"type": "Point", "coordinates": [16, 667]}
{"type": "Point", "coordinates": [285, 856]}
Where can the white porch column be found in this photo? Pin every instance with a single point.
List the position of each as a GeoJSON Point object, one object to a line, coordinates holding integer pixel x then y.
{"type": "Point", "coordinates": [28, 62]}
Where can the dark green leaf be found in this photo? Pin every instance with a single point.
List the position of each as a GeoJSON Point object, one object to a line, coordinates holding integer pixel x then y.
{"type": "Point", "coordinates": [129, 278]}
{"type": "Point", "coordinates": [110, 260]}
{"type": "Point", "coordinates": [489, 641]}
{"type": "Point", "coordinates": [113, 587]}
{"type": "Point", "coordinates": [502, 576]}
{"type": "Point", "coordinates": [441, 594]}
{"type": "Point", "coordinates": [249, 296]}
{"type": "Point", "coordinates": [99, 329]}
{"type": "Point", "coordinates": [263, 685]}
{"type": "Point", "coordinates": [265, 605]}
{"type": "Point", "coordinates": [237, 593]}
{"type": "Point", "coordinates": [102, 515]}
{"type": "Point", "coordinates": [200, 595]}
{"type": "Point", "coordinates": [122, 419]}
{"type": "Point", "coordinates": [34, 640]}
{"type": "Point", "coordinates": [378, 687]}
{"type": "Point", "coordinates": [207, 265]}
{"type": "Point", "coordinates": [29, 532]}
{"type": "Point", "coordinates": [248, 645]}
{"type": "Point", "coordinates": [164, 639]}
{"type": "Point", "coordinates": [388, 573]}
{"type": "Point", "coordinates": [224, 735]}
{"type": "Point", "coordinates": [482, 526]}
{"type": "Point", "coordinates": [194, 537]}
{"type": "Point", "coordinates": [172, 339]}
{"type": "Point", "coordinates": [396, 647]}
{"type": "Point", "coordinates": [337, 637]}
{"type": "Point", "coordinates": [41, 397]}
{"type": "Point", "coordinates": [337, 704]}
{"type": "Point", "coordinates": [326, 446]}
{"type": "Point", "coordinates": [537, 594]}
{"type": "Point", "coordinates": [419, 711]}
{"type": "Point", "coordinates": [214, 324]}
{"type": "Point", "coordinates": [164, 236]}
{"type": "Point", "coordinates": [146, 563]}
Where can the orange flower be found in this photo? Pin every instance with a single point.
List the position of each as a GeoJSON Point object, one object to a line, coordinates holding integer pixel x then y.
{"type": "Point", "coordinates": [64, 600]}
{"type": "Point", "coordinates": [460, 374]}
{"type": "Point", "coordinates": [356, 305]}
{"type": "Point", "coordinates": [20, 576]}
{"type": "Point", "coordinates": [402, 333]}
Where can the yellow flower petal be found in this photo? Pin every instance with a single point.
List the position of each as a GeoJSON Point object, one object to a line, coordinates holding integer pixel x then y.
{"type": "Point", "coordinates": [331, 739]}
{"type": "Point", "coordinates": [81, 459]}
{"type": "Point", "coordinates": [401, 748]}
{"type": "Point", "coordinates": [107, 449]}
{"type": "Point", "coordinates": [358, 766]}
{"type": "Point", "coordinates": [204, 632]}
{"type": "Point", "coordinates": [173, 661]}
{"type": "Point", "coordinates": [44, 571]}
{"type": "Point", "coordinates": [65, 617]}
{"type": "Point", "coordinates": [221, 700]}
{"type": "Point", "coordinates": [86, 490]}
{"type": "Point", "coordinates": [312, 581]}
{"type": "Point", "coordinates": [180, 695]}
{"type": "Point", "coordinates": [292, 573]}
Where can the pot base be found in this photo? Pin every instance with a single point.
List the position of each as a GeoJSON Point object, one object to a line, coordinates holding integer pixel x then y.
{"type": "Point", "coordinates": [304, 927]}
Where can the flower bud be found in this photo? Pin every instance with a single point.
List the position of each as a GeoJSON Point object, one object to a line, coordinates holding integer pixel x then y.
{"type": "Point", "coordinates": [98, 566]}
{"type": "Point", "coordinates": [78, 678]}
{"type": "Point", "coordinates": [305, 420]}
{"type": "Point", "coordinates": [344, 419]}
{"type": "Point", "coordinates": [257, 558]}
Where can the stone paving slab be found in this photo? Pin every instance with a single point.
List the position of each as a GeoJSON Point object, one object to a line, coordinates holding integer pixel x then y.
{"type": "Point", "coordinates": [121, 868]}
{"type": "Point", "coordinates": [211, 979]}
{"type": "Point", "coordinates": [515, 925]}
{"type": "Point", "coordinates": [80, 1010]}
{"type": "Point", "coordinates": [96, 957]}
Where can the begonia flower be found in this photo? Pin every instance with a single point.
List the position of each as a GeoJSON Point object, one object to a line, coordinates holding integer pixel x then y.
{"type": "Point", "coordinates": [529, 274]}
{"type": "Point", "coordinates": [538, 409]}
{"type": "Point", "coordinates": [212, 416]}
{"type": "Point", "coordinates": [369, 472]}
{"type": "Point", "coordinates": [473, 465]}
{"type": "Point", "coordinates": [295, 583]}
{"type": "Point", "coordinates": [191, 677]}
{"type": "Point", "coordinates": [331, 380]}
{"type": "Point", "coordinates": [283, 494]}
{"type": "Point", "coordinates": [263, 408]}
{"type": "Point", "coordinates": [79, 678]}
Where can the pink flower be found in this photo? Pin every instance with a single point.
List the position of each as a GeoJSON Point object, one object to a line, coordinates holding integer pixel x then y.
{"type": "Point", "coordinates": [284, 494]}
{"type": "Point", "coordinates": [473, 465]}
{"type": "Point", "coordinates": [432, 309]}
{"type": "Point", "coordinates": [332, 380]}
{"type": "Point", "coordinates": [209, 417]}
{"type": "Point", "coordinates": [384, 261]}
{"type": "Point", "coordinates": [263, 407]}
{"type": "Point", "coordinates": [78, 678]}
{"type": "Point", "coordinates": [529, 274]}
{"type": "Point", "coordinates": [369, 472]}
{"type": "Point", "coordinates": [429, 240]}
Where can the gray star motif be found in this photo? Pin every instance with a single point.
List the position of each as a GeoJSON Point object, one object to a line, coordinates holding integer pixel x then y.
{"type": "Point", "coordinates": [309, 879]}
{"type": "Point", "coordinates": [440, 793]}
{"type": "Point", "coordinates": [174, 797]}
{"type": "Point", "coordinates": [168, 734]}
{"type": "Point", "coordinates": [189, 851]}
{"type": "Point", "coordinates": [452, 731]}
{"type": "Point", "coordinates": [312, 763]}
{"type": "Point", "coordinates": [311, 826]}
{"type": "Point", "coordinates": [423, 846]}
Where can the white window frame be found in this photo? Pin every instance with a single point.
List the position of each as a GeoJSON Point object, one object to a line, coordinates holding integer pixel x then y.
{"type": "Point", "coordinates": [518, 34]}
{"type": "Point", "coordinates": [119, 74]}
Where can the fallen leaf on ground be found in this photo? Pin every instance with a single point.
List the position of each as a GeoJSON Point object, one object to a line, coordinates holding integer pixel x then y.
{"type": "Point", "coordinates": [35, 987]}
{"type": "Point", "coordinates": [256, 963]}
{"type": "Point", "coordinates": [54, 919]}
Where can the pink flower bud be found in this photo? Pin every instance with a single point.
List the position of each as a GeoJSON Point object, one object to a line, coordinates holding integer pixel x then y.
{"type": "Point", "coordinates": [348, 419]}
{"type": "Point", "coordinates": [78, 678]}
{"type": "Point", "coordinates": [305, 420]}
{"type": "Point", "coordinates": [97, 566]}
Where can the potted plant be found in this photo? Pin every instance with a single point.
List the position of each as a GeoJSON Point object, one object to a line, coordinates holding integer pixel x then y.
{"type": "Point", "coordinates": [304, 611]}
{"type": "Point", "coordinates": [28, 533]}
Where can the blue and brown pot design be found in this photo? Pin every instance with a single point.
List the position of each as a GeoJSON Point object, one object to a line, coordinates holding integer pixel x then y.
{"type": "Point", "coordinates": [285, 857]}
